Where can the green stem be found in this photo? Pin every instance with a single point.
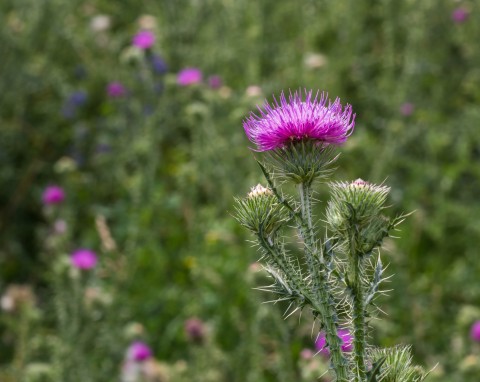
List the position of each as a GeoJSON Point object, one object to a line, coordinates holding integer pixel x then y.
{"type": "Point", "coordinates": [322, 300]}
{"type": "Point", "coordinates": [359, 342]}
{"type": "Point", "coordinates": [321, 303]}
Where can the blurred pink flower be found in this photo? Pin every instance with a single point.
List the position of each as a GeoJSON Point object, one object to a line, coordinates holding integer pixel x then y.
{"type": "Point", "coordinates": [53, 195]}
{"type": "Point", "coordinates": [215, 82]}
{"type": "Point", "coordinates": [139, 351]}
{"type": "Point", "coordinates": [189, 76]}
{"type": "Point", "coordinates": [144, 39]}
{"type": "Point", "coordinates": [345, 336]}
{"type": "Point", "coordinates": [460, 15]}
{"type": "Point", "coordinates": [116, 90]}
{"type": "Point", "coordinates": [195, 329]}
{"type": "Point", "coordinates": [475, 331]}
{"type": "Point", "coordinates": [407, 109]}
{"type": "Point", "coordinates": [307, 354]}
{"type": "Point", "coordinates": [83, 259]}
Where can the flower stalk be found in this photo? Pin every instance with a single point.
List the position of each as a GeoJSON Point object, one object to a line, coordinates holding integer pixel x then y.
{"type": "Point", "coordinates": [338, 281]}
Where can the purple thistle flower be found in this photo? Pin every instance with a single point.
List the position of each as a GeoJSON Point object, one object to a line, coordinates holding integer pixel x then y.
{"type": "Point", "coordinates": [195, 329]}
{"type": "Point", "coordinates": [53, 195]}
{"type": "Point", "coordinates": [296, 119]}
{"type": "Point", "coordinates": [144, 39]}
{"type": "Point", "coordinates": [475, 331]}
{"type": "Point", "coordinates": [116, 90]}
{"type": "Point", "coordinates": [345, 336]}
{"type": "Point", "coordinates": [189, 76]}
{"type": "Point", "coordinates": [83, 259]}
{"type": "Point", "coordinates": [460, 15]}
{"type": "Point", "coordinates": [215, 82]}
{"type": "Point", "coordinates": [139, 351]}
{"type": "Point", "coordinates": [407, 109]}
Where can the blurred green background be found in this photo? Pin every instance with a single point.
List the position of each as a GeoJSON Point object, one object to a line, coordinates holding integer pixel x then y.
{"type": "Point", "coordinates": [160, 166]}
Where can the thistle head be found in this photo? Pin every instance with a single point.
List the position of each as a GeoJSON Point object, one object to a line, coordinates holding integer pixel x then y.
{"type": "Point", "coordinates": [260, 211]}
{"type": "Point", "coordinates": [299, 133]}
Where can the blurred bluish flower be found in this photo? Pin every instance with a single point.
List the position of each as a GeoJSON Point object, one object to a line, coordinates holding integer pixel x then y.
{"type": "Point", "coordinates": [215, 82]}
{"type": "Point", "coordinates": [53, 195]}
{"type": "Point", "coordinates": [159, 66]}
{"type": "Point", "coordinates": [103, 148]}
{"type": "Point", "coordinates": [475, 331]}
{"type": "Point", "coordinates": [144, 39]}
{"type": "Point", "coordinates": [73, 102]}
{"type": "Point", "coordinates": [189, 76]}
{"type": "Point", "coordinates": [116, 90]}
{"type": "Point", "coordinates": [78, 98]}
{"type": "Point", "coordinates": [315, 118]}
{"type": "Point", "coordinates": [139, 351]}
{"type": "Point", "coordinates": [460, 15]}
{"type": "Point", "coordinates": [83, 259]}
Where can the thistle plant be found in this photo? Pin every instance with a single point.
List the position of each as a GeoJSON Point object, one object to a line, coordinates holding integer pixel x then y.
{"type": "Point", "coordinates": [337, 276]}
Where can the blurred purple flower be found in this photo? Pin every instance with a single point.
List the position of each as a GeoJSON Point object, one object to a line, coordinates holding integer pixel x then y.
{"type": "Point", "coordinates": [215, 82]}
{"type": "Point", "coordinates": [159, 66]}
{"type": "Point", "coordinates": [195, 329]}
{"type": "Point", "coordinates": [407, 109]}
{"type": "Point", "coordinates": [116, 90]}
{"type": "Point", "coordinates": [296, 119]}
{"type": "Point", "coordinates": [189, 76]}
{"type": "Point", "coordinates": [74, 100]}
{"type": "Point", "coordinates": [103, 148]}
{"type": "Point", "coordinates": [475, 331]}
{"type": "Point", "coordinates": [460, 15]}
{"type": "Point", "coordinates": [78, 98]}
{"type": "Point", "coordinates": [139, 351]}
{"type": "Point", "coordinates": [53, 195]}
{"type": "Point", "coordinates": [83, 259]}
{"type": "Point", "coordinates": [345, 336]}
{"type": "Point", "coordinates": [144, 39]}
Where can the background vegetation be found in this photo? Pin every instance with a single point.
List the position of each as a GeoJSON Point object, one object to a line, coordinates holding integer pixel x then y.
{"type": "Point", "coordinates": [150, 178]}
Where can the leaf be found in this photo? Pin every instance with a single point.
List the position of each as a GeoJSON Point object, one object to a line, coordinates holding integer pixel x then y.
{"type": "Point", "coordinates": [373, 373]}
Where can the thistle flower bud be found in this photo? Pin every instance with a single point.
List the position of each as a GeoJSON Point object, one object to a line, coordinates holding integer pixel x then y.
{"type": "Point", "coordinates": [356, 207]}
{"type": "Point", "coordinates": [260, 211]}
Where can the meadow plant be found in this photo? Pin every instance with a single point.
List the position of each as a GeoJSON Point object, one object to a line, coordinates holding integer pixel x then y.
{"type": "Point", "coordinates": [339, 276]}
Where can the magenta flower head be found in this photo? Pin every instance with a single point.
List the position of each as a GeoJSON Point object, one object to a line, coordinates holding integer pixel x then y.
{"type": "Point", "coordinates": [345, 336]}
{"type": "Point", "coordinates": [460, 15]}
{"type": "Point", "coordinates": [215, 82]}
{"type": "Point", "coordinates": [195, 330]}
{"type": "Point", "coordinates": [116, 90]}
{"type": "Point", "coordinates": [139, 351]}
{"type": "Point", "coordinates": [475, 331]}
{"type": "Point", "coordinates": [407, 109]}
{"type": "Point", "coordinates": [83, 259]}
{"type": "Point", "coordinates": [53, 195]}
{"type": "Point", "coordinates": [189, 76]}
{"type": "Point", "coordinates": [144, 39]}
{"type": "Point", "coordinates": [296, 119]}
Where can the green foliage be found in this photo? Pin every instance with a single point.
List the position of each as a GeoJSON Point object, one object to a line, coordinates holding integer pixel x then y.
{"type": "Point", "coordinates": [165, 186]}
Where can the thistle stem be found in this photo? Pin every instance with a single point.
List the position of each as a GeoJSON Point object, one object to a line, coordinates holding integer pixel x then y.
{"type": "Point", "coordinates": [322, 300]}
{"type": "Point", "coordinates": [359, 342]}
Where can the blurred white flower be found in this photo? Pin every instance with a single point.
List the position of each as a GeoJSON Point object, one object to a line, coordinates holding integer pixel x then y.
{"type": "Point", "coordinates": [314, 60]}
{"type": "Point", "coordinates": [100, 23]}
